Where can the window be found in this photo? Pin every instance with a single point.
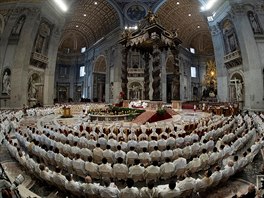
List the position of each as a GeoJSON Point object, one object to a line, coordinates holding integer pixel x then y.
{"type": "Point", "coordinates": [83, 49]}
{"type": "Point", "coordinates": [192, 50]}
{"type": "Point", "coordinates": [193, 72]}
{"type": "Point", "coordinates": [82, 71]}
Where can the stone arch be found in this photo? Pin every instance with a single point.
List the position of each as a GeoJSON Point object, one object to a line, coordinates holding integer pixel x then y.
{"type": "Point", "coordinates": [236, 87]}
{"type": "Point", "coordinates": [169, 77]}
{"type": "Point", "coordinates": [16, 30]}
{"type": "Point", "coordinates": [63, 93]}
{"type": "Point", "coordinates": [99, 79]}
{"type": "Point", "coordinates": [100, 64]}
{"type": "Point", "coordinates": [119, 12]}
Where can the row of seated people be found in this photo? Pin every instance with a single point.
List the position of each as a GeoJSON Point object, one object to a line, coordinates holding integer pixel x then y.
{"type": "Point", "coordinates": [98, 153]}
{"type": "Point", "coordinates": [176, 168]}
{"type": "Point", "coordinates": [147, 128]}
{"type": "Point", "coordinates": [9, 120]}
{"type": "Point", "coordinates": [194, 146]}
{"type": "Point", "coordinates": [185, 186]}
{"type": "Point", "coordinates": [40, 111]}
{"type": "Point", "coordinates": [172, 139]}
{"type": "Point", "coordinates": [186, 152]}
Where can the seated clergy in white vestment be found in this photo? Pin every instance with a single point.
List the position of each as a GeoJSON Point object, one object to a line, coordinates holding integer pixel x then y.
{"type": "Point", "coordinates": [149, 191]}
{"type": "Point", "coordinates": [109, 190]}
{"type": "Point", "coordinates": [92, 168]}
{"type": "Point", "coordinates": [167, 169]}
{"type": "Point", "coordinates": [136, 172]}
{"type": "Point", "coordinates": [120, 170]}
{"type": "Point", "coordinates": [129, 190]}
{"type": "Point", "coordinates": [170, 192]}
{"type": "Point", "coordinates": [89, 189]}
{"type": "Point", "coordinates": [105, 169]}
{"type": "Point", "coordinates": [152, 172]}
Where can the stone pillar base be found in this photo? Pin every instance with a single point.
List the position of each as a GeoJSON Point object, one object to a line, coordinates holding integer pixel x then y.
{"type": "Point", "coordinates": [154, 105]}
{"type": "Point", "coordinates": [126, 103]}
{"type": "Point", "coordinates": [177, 105]}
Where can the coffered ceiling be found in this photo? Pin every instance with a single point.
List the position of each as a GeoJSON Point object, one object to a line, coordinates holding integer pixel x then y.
{"type": "Point", "coordinates": [87, 21]}
{"type": "Point", "coordinates": [192, 27]}
{"type": "Point", "coordinates": [91, 20]}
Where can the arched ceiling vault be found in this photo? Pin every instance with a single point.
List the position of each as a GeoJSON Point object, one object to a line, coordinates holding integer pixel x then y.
{"type": "Point", "coordinates": [107, 15]}
{"type": "Point", "coordinates": [92, 21]}
{"type": "Point", "coordinates": [186, 18]}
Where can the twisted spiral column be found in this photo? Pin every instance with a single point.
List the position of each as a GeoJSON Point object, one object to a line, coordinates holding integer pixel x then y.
{"type": "Point", "coordinates": [156, 74]}
{"type": "Point", "coordinates": [176, 74]}
{"type": "Point", "coordinates": [146, 76]}
{"type": "Point", "coordinates": [124, 73]}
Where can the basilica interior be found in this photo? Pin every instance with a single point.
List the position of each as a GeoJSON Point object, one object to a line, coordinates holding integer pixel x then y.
{"type": "Point", "coordinates": [186, 71]}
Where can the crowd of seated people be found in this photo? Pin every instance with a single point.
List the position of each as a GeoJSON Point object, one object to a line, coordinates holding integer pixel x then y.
{"type": "Point", "coordinates": [149, 158]}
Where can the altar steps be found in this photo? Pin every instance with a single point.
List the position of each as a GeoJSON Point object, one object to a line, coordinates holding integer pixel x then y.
{"type": "Point", "coordinates": [144, 117]}
{"type": "Point", "coordinates": [171, 111]}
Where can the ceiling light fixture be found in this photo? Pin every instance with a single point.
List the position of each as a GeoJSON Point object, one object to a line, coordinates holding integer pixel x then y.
{"type": "Point", "coordinates": [178, 3]}
{"type": "Point", "coordinates": [198, 26]}
{"type": "Point", "coordinates": [209, 5]}
{"type": "Point", "coordinates": [61, 5]}
{"type": "Point", "coordinates": [95, 3]}
{"type": "Point", "coordinates": [77, 26]}
{"type": "Point", "coordinates": [84, 15]}
{"type": "Point", "coordinates": [189, 14]}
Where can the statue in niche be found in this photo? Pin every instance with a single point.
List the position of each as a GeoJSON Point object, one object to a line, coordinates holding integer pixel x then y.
{"type": "Point", "coordinates": [18, 26]}
{"type": "Point", "coordinates": [32, 89]}
{"type": "Point", "coordinates": [254, 22]}
{"type": "Point", "coordinates": [44, 32]}
{"type": "Point", "coordinates": [230, 37]}
{"type": "Point", "coordinates": [39, 44]}
{"type": "Point", "coordinates": [239, 88]}
{"type": "Point", "coordinates": [6, 84]}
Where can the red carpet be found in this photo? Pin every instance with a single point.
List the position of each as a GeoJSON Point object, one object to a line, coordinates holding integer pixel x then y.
{"type": "Point", "coordinates": [144, 117]}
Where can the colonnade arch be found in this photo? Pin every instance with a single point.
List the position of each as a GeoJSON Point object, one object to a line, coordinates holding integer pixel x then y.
{"type": "Point", "coordinates": [99, 79]}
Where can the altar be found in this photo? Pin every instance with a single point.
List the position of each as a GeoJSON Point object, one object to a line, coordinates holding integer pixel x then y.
{"type": "Point", "coordinates": [66, 112]}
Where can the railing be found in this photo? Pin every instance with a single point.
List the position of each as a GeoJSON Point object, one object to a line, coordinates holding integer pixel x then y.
{"type": "Point", "coordinates": [233, 59]}
{"type": "Point", "coordinates": [40, 57]}
{"type": "Point", "coordinates": [135, 70]}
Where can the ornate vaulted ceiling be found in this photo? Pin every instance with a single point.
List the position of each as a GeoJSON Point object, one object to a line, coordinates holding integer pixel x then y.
{"type": "Point", "coordinates": [191, 26]}
{"type": "Point", "coordinates": [92, 21]}
{"type": "Point", "coordinates": [87, 21]}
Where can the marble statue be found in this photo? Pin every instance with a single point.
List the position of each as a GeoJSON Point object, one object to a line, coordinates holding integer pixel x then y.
{"type": "Point", "coordinates": [254, 23]}
{"type": "Point", "coordinates": [32, 91]}
{"type": "Point", "coordinates": [239, 91]}
{"type": "Point", "coordinates": [6, 84]}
